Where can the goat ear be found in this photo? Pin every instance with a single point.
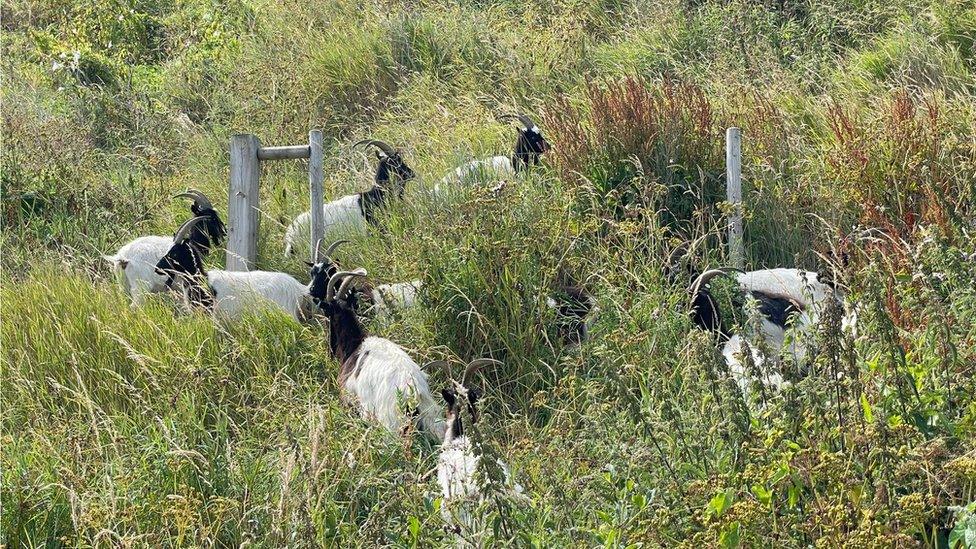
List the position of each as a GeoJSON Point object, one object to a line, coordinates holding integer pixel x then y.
{"type": "Point", "coordinates": [474, 395]}
{"type": "Point", "coordinates": [449, 397]}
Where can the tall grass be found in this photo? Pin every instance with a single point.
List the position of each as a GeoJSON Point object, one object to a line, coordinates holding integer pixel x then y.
{"type": "Point", "coordinates": [153, 426]}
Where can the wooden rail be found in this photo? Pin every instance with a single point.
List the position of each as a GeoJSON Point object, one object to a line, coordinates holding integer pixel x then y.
{"type": "Point", "coordinates": [243, 197]}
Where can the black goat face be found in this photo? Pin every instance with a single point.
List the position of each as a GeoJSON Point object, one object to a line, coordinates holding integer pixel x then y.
{"type": "Point", "coordinates": [320, 273]}
{"type": "Point", "coordinates": [393, 166]}
{"type": "Point", "coordinates": [533, 138]}
{"type": "Point", "coordinates": [209, 233]}
{"type": "Point", "coordinates": [181, 259]}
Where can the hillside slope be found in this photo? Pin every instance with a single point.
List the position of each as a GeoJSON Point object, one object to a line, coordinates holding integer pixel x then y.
{"type": "Point", "coordinates": [153, 426]}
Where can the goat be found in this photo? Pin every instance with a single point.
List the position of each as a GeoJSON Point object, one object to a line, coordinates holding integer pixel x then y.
{"type": "Point", "coordinates": [377, 299]}
{"type": "Point", "coordinates": [134, 263]}
{"type": "Point", "coordinates": [352, 213]}
{"type": "Point", "coordinates": [228, 294]}
{"type": "Point", "coordinates": [458, 464]}
{"type": "Point", "coordinates": [784, 298]}
{"type": "Point", "coordinates": [575, 309]}
{"type": "Point", "coordinates": [374, 372]}
{"type": "Point", "coordinates": [529, 147]}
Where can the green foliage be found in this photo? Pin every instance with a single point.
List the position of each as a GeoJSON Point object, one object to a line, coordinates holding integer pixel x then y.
{"type": "Point", "coordinates": [152, 426]}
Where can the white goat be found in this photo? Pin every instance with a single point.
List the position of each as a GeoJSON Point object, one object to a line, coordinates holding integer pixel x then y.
{"type": "Point", "coordinates": [134, 263]}
{"type": "Point", "coordinates": [529, 146]}
{"type": "Point", "coordinates": [229, 294]}
{"type": "Point", "coordinates": [790, 303]}
{"type": "Point", "coordinates": [352, 214]}
{"type": "Point", "coordinates": [394, 296]}
{"type": "Point", "coordinates": [377, 374]}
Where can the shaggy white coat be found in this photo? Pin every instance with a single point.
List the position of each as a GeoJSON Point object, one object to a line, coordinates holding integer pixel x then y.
{"type": "Point", "coordinates": [341, 216]}
{"type": "Point", "coordinates": [389, 387]}
{"type": "Point", "coordinates": [398, 295]}
{"type": "Point", "coordinates": [135, 266]}
{"type": "Point", "coordinates": [802, 287]}
{"type": "Point", "coordinates": [238, 292]}
{"type": "Point", "coordinates": [496, 167]}
{"type": "Point", "coordinates": [457, 466]}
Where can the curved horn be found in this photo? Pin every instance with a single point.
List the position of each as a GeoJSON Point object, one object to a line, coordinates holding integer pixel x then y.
{"type": "Point", "coordinates": [330, 288]}
{"type": "Point", "coordinates": [516, 117]}
{"type": "Point", "coordinates": [385, 147]}
{"type": "Point", "coordinates": [328, 251]}
{"type": "Point", "coordinates": [198, 197]}
{"type": "Point", "coordinates": [318, 248]}
{"type": "Point", "coordinates": [332, 247]}
{"type": "Point", "coordinates": [184, 231]}
{"type": "Point", "coordinates": [707, 276]}
{"type": "Point", "coordinates": [474, 367]}
{"type": "Point", "coordinates": [529, 123]}
{"type": "Point", "coordinates": [343, 291]}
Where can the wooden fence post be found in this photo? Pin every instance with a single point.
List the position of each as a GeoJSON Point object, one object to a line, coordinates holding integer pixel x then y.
{"type": "Point", "coordinates": [242, 203]}
{"type": "Point", "coordinates": [315, 177]}
{"type": "Point", "coordinates": [733, 190]}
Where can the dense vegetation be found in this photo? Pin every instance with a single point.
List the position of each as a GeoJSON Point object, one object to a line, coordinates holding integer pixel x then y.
{"type": "Point", "coordinates": [155, 427]}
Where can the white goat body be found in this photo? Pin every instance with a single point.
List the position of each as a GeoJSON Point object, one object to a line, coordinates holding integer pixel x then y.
{"type": "Point", "coordinates": [135, 265]}
{"type": "Point", "coordinates": [387, 383]}
{"type": "Point", "coordinates": [238, 292]}
{"type": "Point", "coordinates": [397, 295]}
{"type": "Point", "coordinates": [801, 287]}
{"type": "Point", "coordinates": [457, 466]}
{"type": "Point", "coordinates": [495, 167]}
{"type": "Point", "coordinates": [342, 216]}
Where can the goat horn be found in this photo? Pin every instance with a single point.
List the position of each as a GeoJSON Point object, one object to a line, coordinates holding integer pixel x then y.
{"type": "Point", "coordinates": [330, 288]}
{"type": "Point", "coordinates": [184, 231]}
{"type": "Point", "coordinates": [328, 251]}
{"type": "Point", "coordinates": [529, 123]}
{"type": "Point", "coordinates": [198, 197]}
{"type": "Point", "coordinates": [517, 118]}
{"type": "Point", "coordinates": [385, 147]}
{"type": "Point", "coordinates": [332, 247]}
{"type": "Point", "coordinates": [474, 367]}
{"type": "Point", "coordinates": [707, 276]}
{"type": "Point", "coordinates": [344, 290]}
{"type": "Point", "coordinates": [318, 248]}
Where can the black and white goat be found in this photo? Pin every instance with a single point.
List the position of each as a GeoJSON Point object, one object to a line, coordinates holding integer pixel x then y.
{"type": "Point", "coordinates": [378, 375]}
{"type": "Point", "coordinates": [575, 309]}
{"type": "Point", "coordinates": [786, 299]}
{"type": "Point", "coordinates": [351, 214]}
{"type": "Point", "coordinates": [379, 299]}
{"type": "Point", "coordinates": [229, 294]}
{"type": "Point", "coordinates": [135, 262]}
{"type": "Point", "coordinates": [458, 464]}
{"type": "Point", "coordinates": [529, 147]}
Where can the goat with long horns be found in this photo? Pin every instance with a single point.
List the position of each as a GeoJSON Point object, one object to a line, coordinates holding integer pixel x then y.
{"type": "Point", "coordinates": [375, 373]}
{"type": "Point", "coordinates": [458, 463]}
{"type": "Point", "coordinates": [228, 294]}
{"type": "Point", "coordinates": [135, 262]}
{"type": "Point", "coordinates": [353, 213]}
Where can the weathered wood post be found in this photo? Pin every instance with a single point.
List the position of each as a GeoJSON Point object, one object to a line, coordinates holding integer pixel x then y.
{"type": "Point", "coordinates": [733, 191]}
{"type": "Point", "coordinates": [242, 203]}
{"type": "Point", "coordinates": [315, 177]}
{"type": "Point", "coordinates": [243, 213]}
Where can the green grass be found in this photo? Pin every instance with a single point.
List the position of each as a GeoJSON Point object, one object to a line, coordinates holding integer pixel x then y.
{"type": "Point", "coordinates": [156, 427]}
